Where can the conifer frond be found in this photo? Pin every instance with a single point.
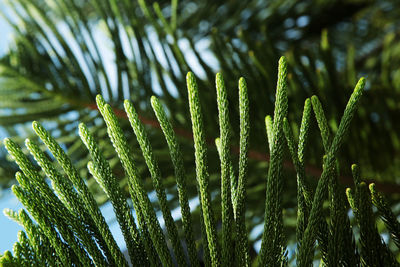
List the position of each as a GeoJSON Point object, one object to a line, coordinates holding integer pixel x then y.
{"type": "Point", "coordinates": [272, 239]}
{"type": "Point", "coordinates": [374, 251]}
{"type": "Point", "coordinates": [135, 184]}
{"type": "Point", "coordinates": [304, 130]}
{"type": "Point", "coordinates": [242, 246]}
{"type": "Point", "coordinates": [57, 59]}
{"type": "Point", "coordinates": [100, 169]}
{"type": "Point", "coordinates": [322, 123]}
{"type": "Point", "coordinates": [304, 197]}
{"type": "Point", "coordinates": [38, 192]}
{"type": "Point", "coordinates": [307, 248]}
{"type": "Point", "coordinates": [340, 231]}
{"type": "Point", "coordinates": [69, 198]}
{"type": "Point", "coordinates": [202, 175]}
{"type": "Point", "coordinates": [177, 160]}
{"type": "Point", "coordinates": [233, 178]}
{"type": "Point", "coordinates": [226, 198]}
{"type": "Point", "coordinates": [386, 214]}
{"type": "Point", "coordinates": [22, 250]}
{"type": "Point", "coordinates": [155, 172]}
{"type": "Point", "coordinates": [96, 219]}
{"type": "Point", "coordinates": [65, 226]}
{"type": "Point", "coordinates": [62, 250]}
{"type": "Point", "coordinates": [42, 249]}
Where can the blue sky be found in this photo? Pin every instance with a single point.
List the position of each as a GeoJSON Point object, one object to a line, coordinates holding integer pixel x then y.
{"type": "Point", "coordinates": [5, 31]}
{"type": "Point", "coordinates": [8, 228]}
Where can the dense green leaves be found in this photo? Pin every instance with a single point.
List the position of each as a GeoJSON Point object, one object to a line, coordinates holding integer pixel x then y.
{"type": "Point", "coordinates": [101, 171]}
{"type": "Point", "coordinates": [307, 248]}
{"type": "Point", "coordinates": [385, 212]}
{"type": "Point", "coordinates": [143, 203]}
{"type": "Point", "coordinates": [65, 224]}
{"type": "Point", "coordinates": [152, 164]}
{"type": "Point", "coordinates": [65, 52]}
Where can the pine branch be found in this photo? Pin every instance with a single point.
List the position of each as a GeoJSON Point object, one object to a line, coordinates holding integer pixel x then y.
{"type": "Point", "coordinates": [242, 247]}
{"type": "Point", "coordinates": [374, 252]}
{"type": "Point", "coordinates": [340, 230]}
{"type": "Point", "coordinates": [232, 176]}
{"type": "Point", "coordinates": [322, 123]}
{"type": "Point", "coordinates": [46, 209]}
{"type": "Point", "coordinates": [135, 184]}
{"type": "Point", "coordinates": [306, 250]}
{"type": "Point", "coordinates": [69, 198]}
{"type": "Point", "coordinates": [70, 229]}
{"type": "Point", "coordinates": [386, 214]}
{"type": "Point", "coordinates": [303, 193]}
{"type": "Point", "coordinates": [272, 239]}
{"type": "Point", "coordinates": [37, 186]}
{"type": "Point", "coordinates": [42, 249]}
{"type": "Point", "coordinates": [101, 170]}
{"type": "Point", "coordinates": [22, 250]}
{"type": "Point", "coordinates": [61, 249]}
{"type": "Point", "coordinates": [177, 160]}
{"type": "Point", "coordinates": [202, 175]}
{"type": "Point", "coordinates": [255, 154]}
{"type": "Point", "coordinates": [155, 172]}
{"type": "Point", "coordinates": [104, 235]}
{"type": "Point", "coordinates": [227, 209]}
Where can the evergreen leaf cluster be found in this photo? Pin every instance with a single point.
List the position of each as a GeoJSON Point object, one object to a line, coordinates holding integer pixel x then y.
{"type": "Point", "coordinates": [244, 196]}
{"type": "Point", "coordinates": [63, 224]}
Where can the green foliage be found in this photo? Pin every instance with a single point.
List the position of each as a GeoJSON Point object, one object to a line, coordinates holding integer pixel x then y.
{"type": "Point", "coordinates": [63, 53]}
{"type": "Point", "coordinates": [242, 251]}
{"type": "Point", "coordinates": [202, 175]}
{"type": "Point", "coordinates": [56, 65]}
{"type": "Point", "coordinates": [101, 171]}
{"type": "Point", "coordinates": [176, 157]}
{"type": "Point", "coordinates": [272, 239]}
{"type": "Point", "coordinates": [385, 212]}
{"type": "Point", "coordinates": [65, 226]}
{"type": "Point", "coordinates": [373, 251]}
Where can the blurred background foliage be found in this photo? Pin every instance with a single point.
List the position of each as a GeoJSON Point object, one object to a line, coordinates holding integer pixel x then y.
{"type": "Point", "coordinates": [65, 52]}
